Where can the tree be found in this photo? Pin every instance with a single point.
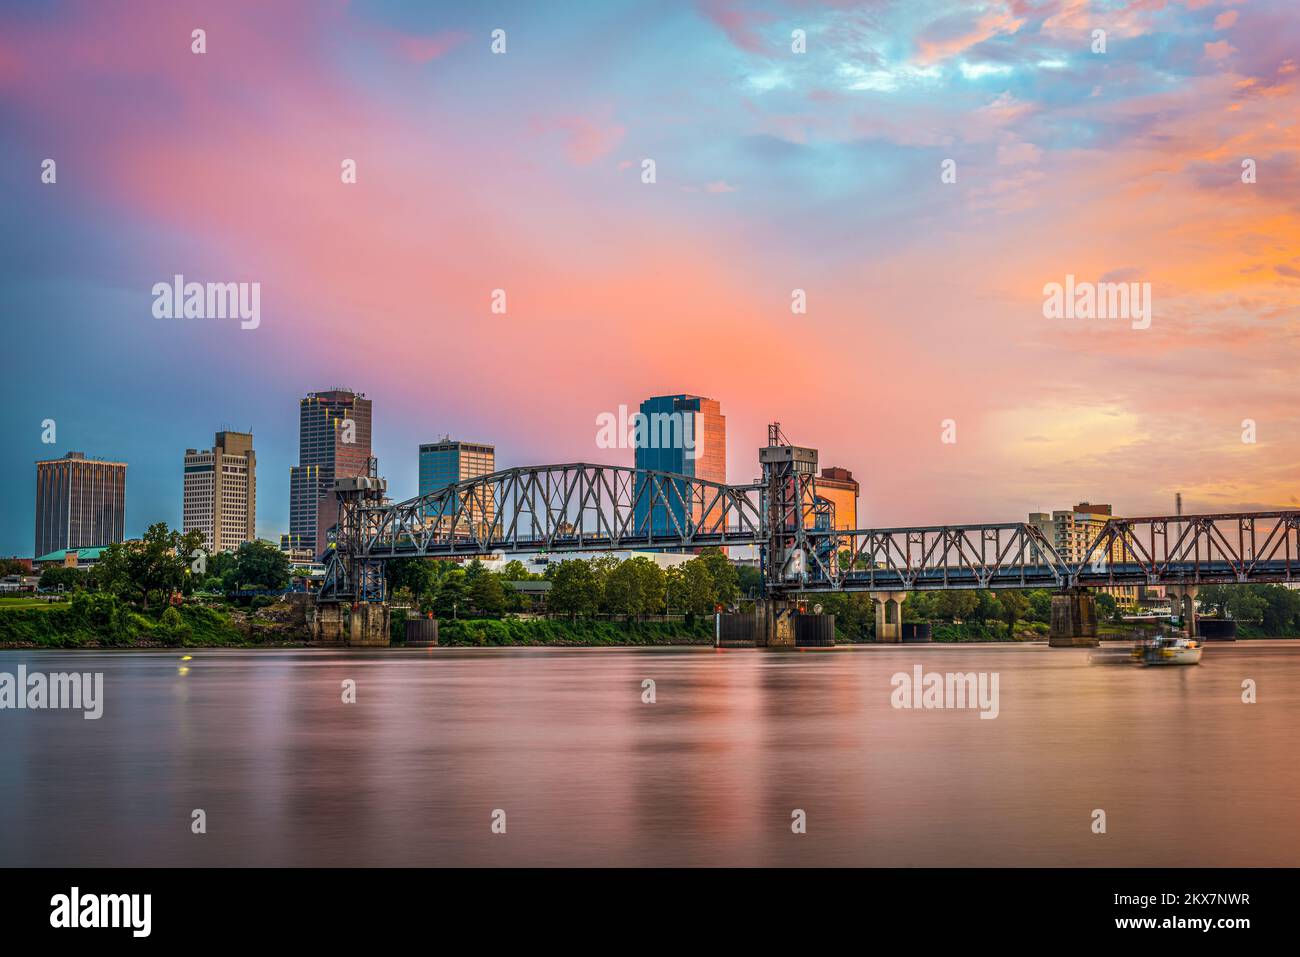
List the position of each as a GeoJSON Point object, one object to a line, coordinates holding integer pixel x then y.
{"type": "Point", "coordinates": [987, 605]}
{"type": "Point", "coordinates": [650, 576]}
{"type": "Point", "coordinates": [514, 571]}
{"type": "Point", "coordinates": [486, 593]}
{"type": "Point", "coordinates": [749, 581]}
{"type": "Point", "coordinates": [623, 590]}
{"type": "Point", "coordinates": [957, 604]}
{"type": "Point", "coordinates": [698, 587]}
{"type": "Point", "coordinates": [1014, 606]}
{"type": "Point", "coordinates": [160, 561]}
{"type": "Point", "coordinates": [1107, 607]}
{"type": "Point", "coordinates": [450, 595]}
{"type": "Point", "coordinates": [260, 566]}
{"type": "Point", "coordinates": [574, 588]}
{"type": "Point", "coordinates": [1040, 605]}
{"type": "Point", "coordinates": [57, 577]}
{"type": "Point", "coordinates": [14, 566]}
{"type": "Point", "coordinates": [417, 574]}
{"type": "Point", "coordinates": [726, 582]}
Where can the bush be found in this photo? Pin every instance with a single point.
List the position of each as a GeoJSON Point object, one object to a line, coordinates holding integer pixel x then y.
{"type": "Point", "coordinates": [552, 631]}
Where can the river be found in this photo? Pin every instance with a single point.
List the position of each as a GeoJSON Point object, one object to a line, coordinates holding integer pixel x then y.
{"type": "Point", "coordinates": [711, 773]}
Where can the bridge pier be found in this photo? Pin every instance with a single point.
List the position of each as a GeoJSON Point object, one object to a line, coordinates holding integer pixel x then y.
{"type": "Point", "coordinates": [1183, 600]}
{"type": "Point", "coordinates": [325, 622]}
{"type": "Point", "coordinates": [369, 625]}
{"type": "Point", "coordinates": [886, 630]}
{"type": "Point", "coordinates": [775, 626]}
{"type": "Point", "coordinates": [1074, 621]}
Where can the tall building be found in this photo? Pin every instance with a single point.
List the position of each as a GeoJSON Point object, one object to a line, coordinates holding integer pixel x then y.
{"type": "Point", "coordinates": [221, 491]}
{"type": "Point", "coordinates": [686, 435]}
{"type": "Point", "coordinates": [449, 461]}
{"type": "Point", "coordinates": [80, 503]}
{"type": "Point", "coordinates": [334, 433]}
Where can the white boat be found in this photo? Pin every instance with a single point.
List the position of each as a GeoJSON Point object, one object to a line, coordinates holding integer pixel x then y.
{"type": "Point", "coordinates": [1168, 650]}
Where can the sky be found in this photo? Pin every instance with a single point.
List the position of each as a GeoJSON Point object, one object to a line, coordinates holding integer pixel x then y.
{"type": "Point", "coordinates": [775, 171]}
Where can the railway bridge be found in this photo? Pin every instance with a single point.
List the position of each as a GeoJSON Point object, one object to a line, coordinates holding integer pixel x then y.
{"type": "Point", "coordinates": [581, 507]}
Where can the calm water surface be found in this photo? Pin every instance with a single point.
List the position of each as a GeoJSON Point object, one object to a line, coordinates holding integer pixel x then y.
{"type": "Point", "coordinates": [709, 774]}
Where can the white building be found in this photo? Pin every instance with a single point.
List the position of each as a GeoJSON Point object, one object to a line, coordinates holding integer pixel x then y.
{"type": "Point", "coordinates": [221, 491]}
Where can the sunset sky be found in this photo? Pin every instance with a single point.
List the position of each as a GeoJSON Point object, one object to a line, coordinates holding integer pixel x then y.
{"type": "Point", "coordinates": [775, 170]}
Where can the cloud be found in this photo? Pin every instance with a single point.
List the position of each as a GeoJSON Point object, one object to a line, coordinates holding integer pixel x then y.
{"type": "Point", "coordinates": [425, 49]}
{"type": "Point", "coordinates": [738, 24]}
{"type": "Point", "coordinates": [1219, 50]}
{"type": "Point", "coordinates": [955, 35]}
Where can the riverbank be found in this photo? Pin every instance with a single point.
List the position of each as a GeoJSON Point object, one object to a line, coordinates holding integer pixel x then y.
{"type": "Point", "coordinates": [100, 621]}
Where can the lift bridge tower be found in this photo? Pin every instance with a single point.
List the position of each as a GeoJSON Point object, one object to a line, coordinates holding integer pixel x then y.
{"type": "Point", "coordinates": [791, 508]}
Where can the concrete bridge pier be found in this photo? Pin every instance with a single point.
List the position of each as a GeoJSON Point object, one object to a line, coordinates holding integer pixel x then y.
{"type": "Point", "coordinates": [1183, 600]}
{"type": "Point", "coordinates": [368, 625]}
{"type": "Point", "coordinates": [889, 615]}
{"type": "Point", "coordinates": [775, 626]}
{"type": "Point", "coordinates": [325, 622]}
{"type": "Point", "coordinates": [1074, 621]}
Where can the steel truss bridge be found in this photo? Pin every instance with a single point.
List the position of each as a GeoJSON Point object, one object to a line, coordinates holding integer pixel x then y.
{"type": "Point", "coordinates": [581, 507]}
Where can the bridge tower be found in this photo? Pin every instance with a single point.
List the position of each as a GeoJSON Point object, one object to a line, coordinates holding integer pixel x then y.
{"type": "Point", "coordinates": [790, 508]}
{"type": "Point", "coordinates": [350, 578]}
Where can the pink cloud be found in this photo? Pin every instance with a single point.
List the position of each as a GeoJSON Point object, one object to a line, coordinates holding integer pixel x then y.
{"type": "Point", "coordinates": [424, 49]}
{"type": "Point", "coordinates": [586, 141]}
{"type": "Point", "coordinates": [738, 24]}
{"type": "Point", "coordinates": [1219, 50]}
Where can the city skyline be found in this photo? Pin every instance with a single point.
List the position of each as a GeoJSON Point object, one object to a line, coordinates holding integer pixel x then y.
{"type": "Point", "coordinates": [818, 172]}
{"type": "Point", "coordinates": [272, 529]}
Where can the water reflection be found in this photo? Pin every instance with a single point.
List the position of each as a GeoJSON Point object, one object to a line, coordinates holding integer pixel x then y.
{"type": "Point", "coordinates": [709, 774]}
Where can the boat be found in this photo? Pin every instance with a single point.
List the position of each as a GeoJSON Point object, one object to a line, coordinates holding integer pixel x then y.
{"type": "Point", "coordinates": [1174, 649]}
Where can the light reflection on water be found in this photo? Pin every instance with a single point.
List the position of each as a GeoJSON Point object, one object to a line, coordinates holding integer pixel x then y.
{"type": "Point", "coordinates": [709, 774]}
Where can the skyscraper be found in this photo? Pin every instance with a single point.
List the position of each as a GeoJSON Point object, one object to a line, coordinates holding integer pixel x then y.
{"type": "Point", "coordinates": [221, 491]}
{"type": "Point", "coordinates": [686, 435]}
{"type": "Point", "coordinates": [449, 461]}
{"type": "Point", "coordinates": [334, 432]}
{"type": "Point", "coordinates": [80, 503]}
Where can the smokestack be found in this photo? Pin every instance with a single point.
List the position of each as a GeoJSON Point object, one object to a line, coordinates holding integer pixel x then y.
{"type": "Point", "coordinates": [1178, 503]}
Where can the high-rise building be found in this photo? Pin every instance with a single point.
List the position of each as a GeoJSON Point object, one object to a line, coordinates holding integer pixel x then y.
{"type": "Point", "coordinates": [220, 497]}
{"type": "Point", "coordinates": [449, 461]}
{"type": "Point", "coordinates": [334, 432]}
{"type": "Point", "coordinates": [80, 503]}
{"type": "Point", "coordinates": [686, 435]}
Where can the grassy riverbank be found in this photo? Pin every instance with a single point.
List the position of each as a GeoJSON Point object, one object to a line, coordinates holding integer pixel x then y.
{"type": "Point", "coordinates": [554, 631]}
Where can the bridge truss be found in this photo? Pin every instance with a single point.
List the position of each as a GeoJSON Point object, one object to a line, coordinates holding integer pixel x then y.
{"type": "Point", "coordinates": [581, 507]}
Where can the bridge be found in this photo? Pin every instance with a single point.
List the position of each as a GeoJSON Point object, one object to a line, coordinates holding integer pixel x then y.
{"type": "Point", "coordinates": [582, 507]}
